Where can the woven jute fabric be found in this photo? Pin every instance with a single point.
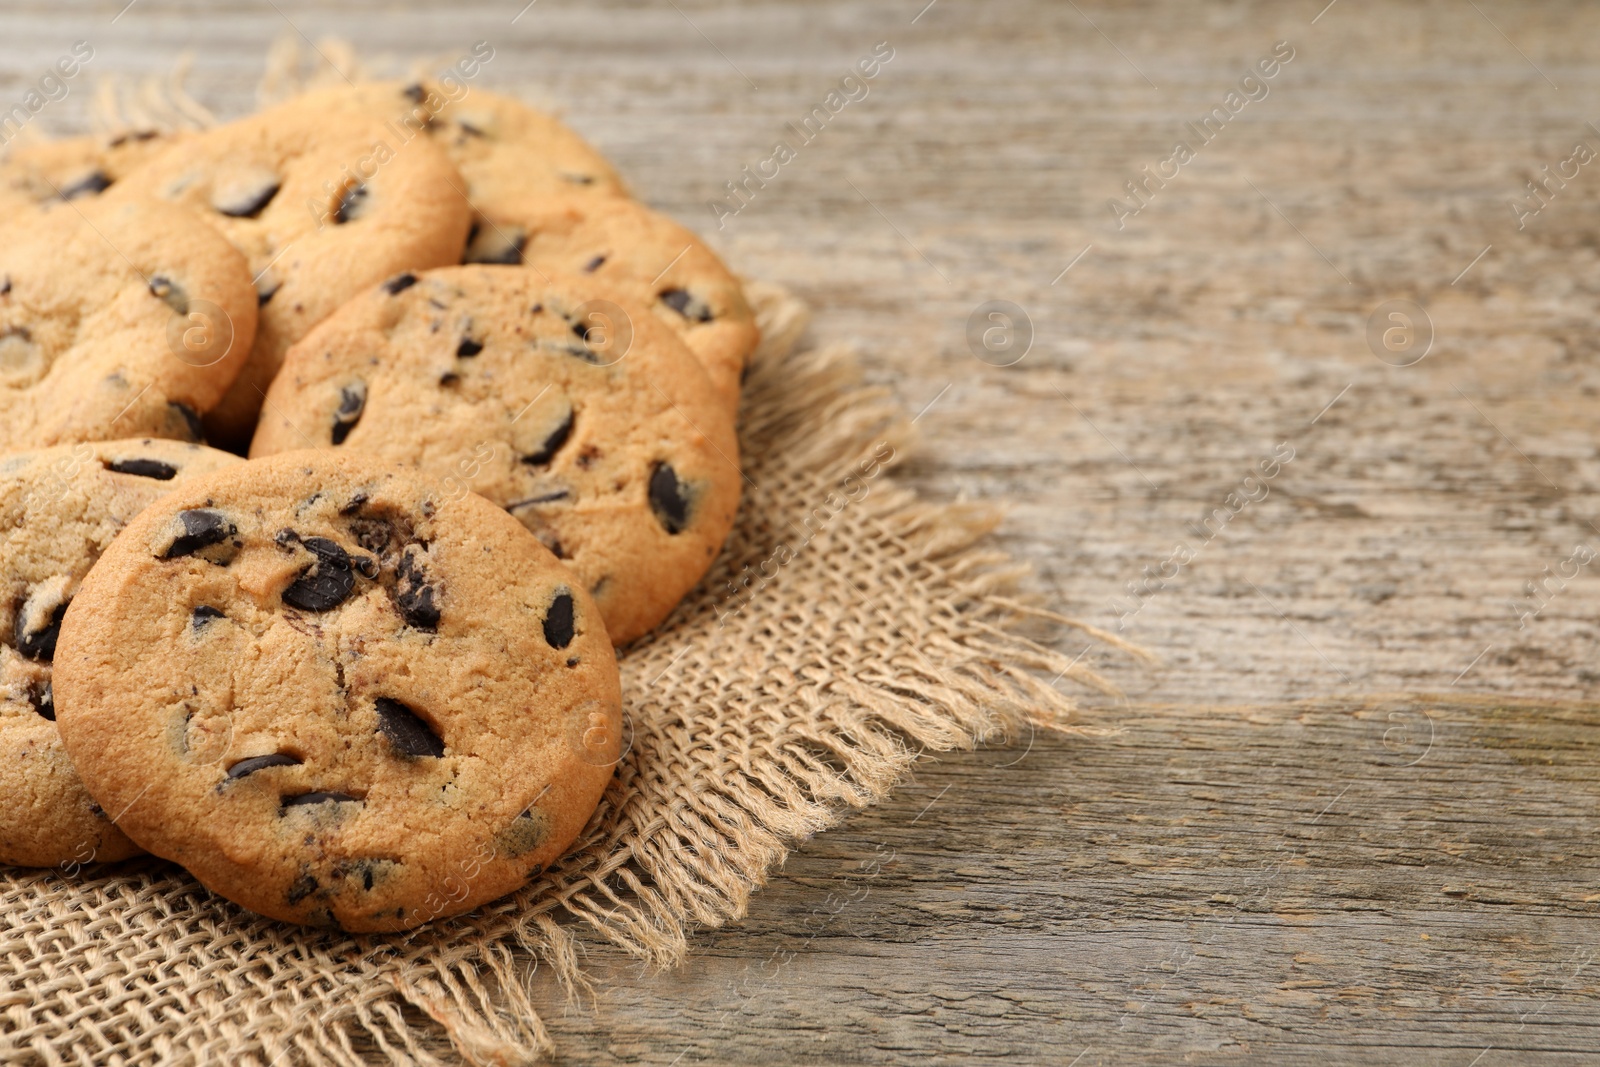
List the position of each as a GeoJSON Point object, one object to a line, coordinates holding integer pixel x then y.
{"type": "Point", "coordinates": [846, 628]}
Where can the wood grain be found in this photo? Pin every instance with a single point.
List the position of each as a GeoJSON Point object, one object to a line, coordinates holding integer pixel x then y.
{"type": "Point", "coordinates": [1268, 863]}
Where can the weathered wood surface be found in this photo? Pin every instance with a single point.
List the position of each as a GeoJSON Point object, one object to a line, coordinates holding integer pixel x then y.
{"type": "Point", "coordinates": [1270, 863]}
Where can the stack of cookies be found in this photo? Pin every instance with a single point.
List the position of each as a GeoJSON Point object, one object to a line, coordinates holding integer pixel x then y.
{"type": "Point", "coordinates": [343, 444]}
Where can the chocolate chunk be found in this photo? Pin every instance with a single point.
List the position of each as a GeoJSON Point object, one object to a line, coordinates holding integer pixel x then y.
{"type": "Point", "coordinates": [417, 599]}
{"type": "Point", "coordinates": [43, 701]}
{"type": "Point", "coordinates": [303, 799]}
{"type": "Point", "coordinates": [468, 348]}
{"type": "Point", "coordinates": [351, 204]}
{"type": "Point", "coordinates": [325, 584]}
{"type": "Point", "coordinates": [304, 885]}
{"type": "Point", "coordinates": [144, 468]}
{"type": "Point", "coordinates": [543, 498]}
{"type": "Point", "coordinates": [496, 246]}
{"type": "Point", "coordinates": [201, 527]}
{"type": "Point", "coordinates": [594, 264]}
{"type": "Point", "coordinates": [171, 292]}
{"type": "Point", "coordinates": [558, 621]}
{"type": "Point", "coordinates": [667, 499]}
{"type": "Point", "coordinates": [248, 202]}
{"type": "Point", "coordinates": [38, 626]}
{"type": "Point", "coordinates": [399, 283]}
{"type": "Point", "coordinates": [204, 614]}
{"type": "Point", "coordinates": [91, 184]}
{"type": "Point", "coordinates": [253, 764]}
{"type": "Point", "coordinates": [408, 735]}
{"type": "Point", "coordinates": [683, 303]}
{"type": "Point", "coordinates": [552, 444]}
{"type": "Point", "coordinates": [190, 418]}
{"type": "Point", "coordinates": [352, 402]}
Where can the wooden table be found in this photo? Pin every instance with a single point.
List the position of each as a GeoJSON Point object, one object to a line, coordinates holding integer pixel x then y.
{"type": "Point", "coordinates": [1347, 818]}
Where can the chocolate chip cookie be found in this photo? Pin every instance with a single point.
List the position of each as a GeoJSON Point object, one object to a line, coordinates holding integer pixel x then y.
{"type": "Point", "coordinates": [59, 510]}
{"type": "Point", "coordinates": [657, 262]}
{"type": "Point", "coordinates": [117, 319]}
{"type": "Point", "coordinates": [337, 694]}
{"type": "Point", "coordinates": [555, 397]}
{"type": "Point", "coordinates": [77, 167]}
{"type": "Point", "coordinates": [323, 205]}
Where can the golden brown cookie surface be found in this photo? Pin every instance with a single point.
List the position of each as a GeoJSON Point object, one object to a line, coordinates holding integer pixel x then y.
{"type": "Point", "coordinates": [59, 510]}
{"type": "Point", "coordinates": [337, 695]}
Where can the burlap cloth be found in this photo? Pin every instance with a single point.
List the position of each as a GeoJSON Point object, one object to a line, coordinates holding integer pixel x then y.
{"type": "Point", "coordinates": [846, 628]}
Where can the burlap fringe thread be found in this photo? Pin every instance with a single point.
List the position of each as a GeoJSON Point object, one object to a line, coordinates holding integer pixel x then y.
{"type": "Point", "coordinates": [795, 684]}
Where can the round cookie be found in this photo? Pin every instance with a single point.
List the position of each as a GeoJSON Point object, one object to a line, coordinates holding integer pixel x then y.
{"type": "Point", "coordinates": [117, 319]}
{"type": "Point", "coordinates": [652, 259]}
{"type": "Point", "coordinates": [336, 694]}
{"type": "Point", "coordinates": [506, 151]}
{"type": "Point", "coordinates": [581, 414]}
{"type": "Point", "coordinates": [59, 510]}
{"type": "Point", "coordinates": [323, 205]}
{"type": "Point", "coordinates": [77, 167]}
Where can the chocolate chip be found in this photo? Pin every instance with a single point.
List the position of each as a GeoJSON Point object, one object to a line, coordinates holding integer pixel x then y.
{"type": "Point", "coordinates": [496, 246]}
{"type": "Point", "coordinates": [192, 426]}
{"type": "Point", "coordinates": [449, 378]}
{"type": "Point", "coordinates": [367, 567]}
{"type": "Point", "coordinates": [250, 201]}
{"type": "Point", "coordinates": [325, 584]}
{"type": "Point", "coordinates": [91, 184]}
{"type": "Point", "coordinates": [302, 799]}
{"type": "Point", "coordinates": [470, 129]}
{"type": "Point", "coordinates": [357, 501]}
{"type": "Point", "coordinates": [399, 283]}
{"type": "Point", "coordinates": [201, 528]}
{"type": "Point", "coordinates": [253, 764]}
{"type": "Point", "coordinates": [267, 292]}
{"type": "Point", "coordinates": [170, 292]}
{"type": "Point", "coordinates": [204, 614]}
{"type": "Point", "coordinates": [304, 885]}
{"type": "Point", "coordinates": [43, 701]}
{"type": "Point", "coordinates": [5, 286]}
{"type": "Point", "coordinates": [468, 348]}
{"type": "Point", "coordinates": [667, 499]}
{"type": "Point", "coordinates": [579, 179]}
{"type": "Point", "coordinates": [144, 468]}
{"type": "Point", "coordinates": [415, 92]}
{"type": "Point", "coordinates": [352, 402]}
{"type": "Point", "coordinates": [558, 621]}
{"type": "Point", "coordinates": [417, 599]}
{"type": "Point", "coordinates": [408, 735]}
{"type": "Point", "coordinates": [351, 204]}
{"type": "Point", "coordinates": [594, 264]}
{"type": "Point", "coordinates": [688, 306]}
{"type": "Point", "coordinates": [38, 625]}
{"type": "Point", "coordinates": [552, 444]}
{"type": "Point", "coordinates": [543, 498]}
